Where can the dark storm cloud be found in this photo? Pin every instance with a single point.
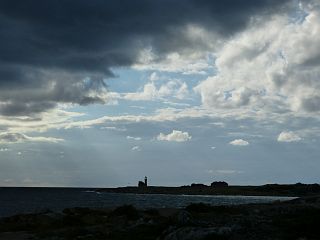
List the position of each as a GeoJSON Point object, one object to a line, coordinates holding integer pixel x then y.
{"type": "Point", "coordinates": [47, 48]}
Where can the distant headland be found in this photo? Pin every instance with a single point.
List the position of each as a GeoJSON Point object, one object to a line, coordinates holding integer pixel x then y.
{"type": "Point", "coordinates": [222, 188]}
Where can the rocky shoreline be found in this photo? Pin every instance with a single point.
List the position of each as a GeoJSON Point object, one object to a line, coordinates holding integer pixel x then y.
{"type": "Point", "coordinates": [295, 219]}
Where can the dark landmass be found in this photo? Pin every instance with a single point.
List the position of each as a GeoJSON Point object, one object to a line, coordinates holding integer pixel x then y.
{"type": "Point", "coordinates": [289, 190]}
{"type": "Point", "coordinates": [295, 219]}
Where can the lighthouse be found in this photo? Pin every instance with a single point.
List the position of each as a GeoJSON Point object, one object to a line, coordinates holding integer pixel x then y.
{"type": "Point", "coordinates": [146, 181]}
{"type": "Point", "coordinates": [143, 184]}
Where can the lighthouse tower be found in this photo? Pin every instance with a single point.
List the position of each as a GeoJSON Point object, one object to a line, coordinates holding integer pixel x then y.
{"type": "Point", "coordinates": [146, 181]}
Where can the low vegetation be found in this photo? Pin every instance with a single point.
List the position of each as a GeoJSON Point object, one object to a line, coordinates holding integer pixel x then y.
{"type": "Point", "coordinates": [296, 219]}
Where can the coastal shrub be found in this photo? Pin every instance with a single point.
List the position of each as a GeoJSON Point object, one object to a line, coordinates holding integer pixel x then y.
{"type": "Point", "coordinates": [25, 222]}
{"type": "Point", "coordinates": [127, 210]}
{"type": "Point", "coordinates": [199, 207]}
{"type": "Point", "coordinates": [152, 212]}
{"type": "Point", "coordinates": [72, 220]}
{"type": "Point", "coordinates": [77, 211]}
{"type": "Point", "coordinates": [299, 223]}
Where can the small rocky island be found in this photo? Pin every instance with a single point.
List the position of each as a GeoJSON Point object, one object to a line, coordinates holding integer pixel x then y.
{"type": "Point", "coordinates": [295, 219]}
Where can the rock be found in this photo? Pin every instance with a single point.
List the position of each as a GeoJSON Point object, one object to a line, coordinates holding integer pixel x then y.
{"type": "Point", "coordinates": [195, 233]}
{"type": "Point", "coordinates": [183, 218]}
{"type": "Point", "coordinates": [127, 210]}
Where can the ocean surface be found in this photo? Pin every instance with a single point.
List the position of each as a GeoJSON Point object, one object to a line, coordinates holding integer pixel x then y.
{"type": "Point", "coordinates": [30, 200]}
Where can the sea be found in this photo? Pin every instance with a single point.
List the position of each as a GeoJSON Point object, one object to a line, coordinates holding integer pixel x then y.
{"type": "Point", "coordinates": [32, 200]}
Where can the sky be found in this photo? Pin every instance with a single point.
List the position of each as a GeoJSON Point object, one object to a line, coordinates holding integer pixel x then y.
{"type": "Point", "coordinates": [102, 93]}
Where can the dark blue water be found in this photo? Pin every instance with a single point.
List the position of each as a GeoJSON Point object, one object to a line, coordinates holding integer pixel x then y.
{"type": "Point", "coordinates": [28, 200]}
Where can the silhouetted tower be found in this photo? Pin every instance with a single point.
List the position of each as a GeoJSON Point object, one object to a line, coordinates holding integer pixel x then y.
{"type": "Point", "coordinates": [146, 181]}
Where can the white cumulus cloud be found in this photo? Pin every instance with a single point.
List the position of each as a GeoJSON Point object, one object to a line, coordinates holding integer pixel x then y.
{"type": "Point", "coordinates": [288, 137]}
{"type": "Point", "coordinates": [174, 88]}
{"type": "Point", "coordinates": [133, 138]}
{"type": "Point", "coordinates": [136, 148]}
{"type": "Point", "coordinates": [272, 66]}
{"type": "Point", "coordinates": [175, 136]}
{"type": "Point", "coordinates": [239, 142]}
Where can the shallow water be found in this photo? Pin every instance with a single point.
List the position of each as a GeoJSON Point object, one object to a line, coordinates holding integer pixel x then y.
{"type": "Point", "coordinates": [28, 200]}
